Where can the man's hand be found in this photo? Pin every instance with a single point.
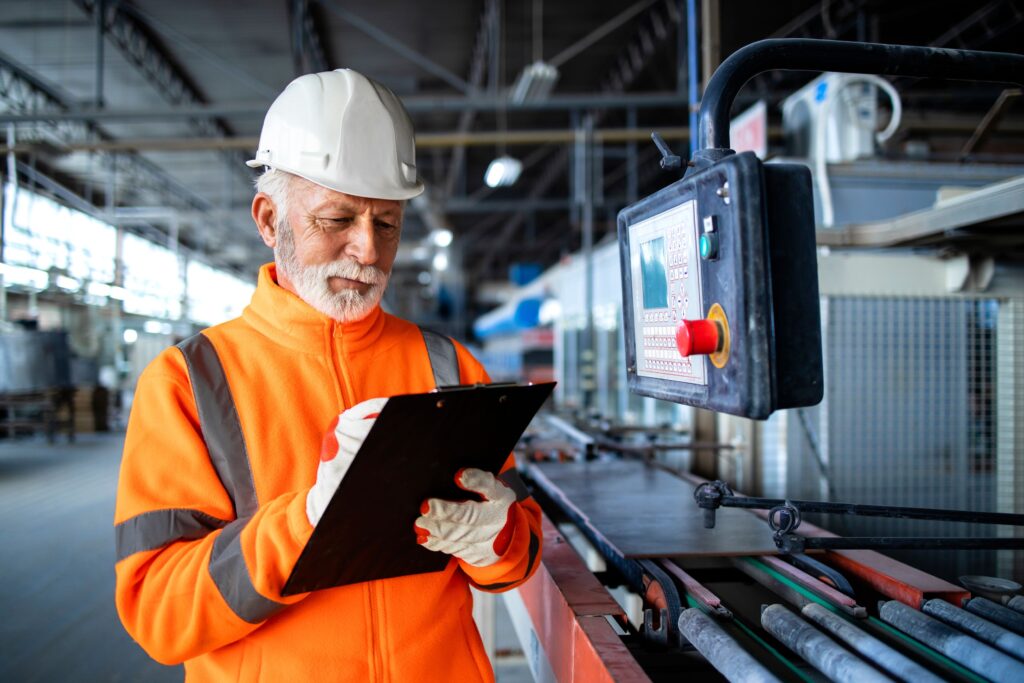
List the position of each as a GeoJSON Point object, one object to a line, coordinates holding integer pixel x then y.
{"type": "Point", "coordinates": [476, 532]}
{"type": "Point", "coordinates": [340, 445]}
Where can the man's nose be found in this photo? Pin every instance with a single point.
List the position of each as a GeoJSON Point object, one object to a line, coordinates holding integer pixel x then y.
{"type": "Point", "coordinates": [362, 242]}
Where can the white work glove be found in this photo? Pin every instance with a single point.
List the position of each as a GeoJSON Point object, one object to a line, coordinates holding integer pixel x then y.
{"type": "Point", "coordinates": [340, 445]}
{"type": "Point", "coordinates": [476, 532]}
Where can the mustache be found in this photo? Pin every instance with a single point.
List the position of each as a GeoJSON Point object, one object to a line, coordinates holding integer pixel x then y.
{"type": "Point", "coordinates": [352, 270]}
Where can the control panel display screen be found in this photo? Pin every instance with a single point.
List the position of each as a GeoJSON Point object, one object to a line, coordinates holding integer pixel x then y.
{"type": "Point", "coordinates": [652, 265]}
{"type": "Point", "coordinates": [666, 290]}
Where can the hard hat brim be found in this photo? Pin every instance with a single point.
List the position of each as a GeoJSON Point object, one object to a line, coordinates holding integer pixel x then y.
{"type": "Point", "coordinates": [353, 189]}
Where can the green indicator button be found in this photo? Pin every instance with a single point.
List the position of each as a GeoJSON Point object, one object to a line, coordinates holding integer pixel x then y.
{"type": "Point", "coordinates": [709, 246]}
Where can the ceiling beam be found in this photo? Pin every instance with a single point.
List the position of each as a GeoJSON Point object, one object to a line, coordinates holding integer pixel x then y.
{"type": "Point", "coordinates": [633, 58]}
{"type": "Point", "coordinates": [308, 55]}
{"type": "Point", "coordinates": [21, 89]}
{"type": "Point", "coordinates": [396, 45]}
{"type": "Point", "coordinates": [556, 136]}
{"type": "Point", "coordinates": [137, 44]}
{"type": "Point", "coordinates": [487, 33]}
{"type": "Point", "coordinates": [413, 104]}
{"type": "Point", "coordinates": [600, 32]}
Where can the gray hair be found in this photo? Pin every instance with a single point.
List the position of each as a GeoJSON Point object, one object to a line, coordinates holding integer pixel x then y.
{"type": "Point", "coordinates": [280, 187]}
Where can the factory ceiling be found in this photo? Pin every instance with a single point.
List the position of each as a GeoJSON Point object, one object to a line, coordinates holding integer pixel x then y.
{"type": "Point", "coordinates": [157, 136]}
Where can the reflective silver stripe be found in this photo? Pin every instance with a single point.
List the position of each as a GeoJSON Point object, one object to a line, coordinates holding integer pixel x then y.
{"type": "Point", "coordinates": [157, 528]}
{"type": "Point", "coordinates": [515, 482]}
{"type": "Point", "coordinates": [444, 361]}
{"type": "Point", "coordinates": [222, 432]}
{"type": "Point", "coordinates": [532, 557]}
{"type": "Point", "coordinates": [218, 419]}
{"type": "Point", "coordinates": [231, 575]}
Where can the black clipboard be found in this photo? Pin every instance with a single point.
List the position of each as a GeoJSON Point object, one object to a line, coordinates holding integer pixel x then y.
{"type": "Point", "coordinates": [416, 446]}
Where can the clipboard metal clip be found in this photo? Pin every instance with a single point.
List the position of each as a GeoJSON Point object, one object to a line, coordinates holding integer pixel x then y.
{"type": "Point", "coordinates": [468, 387]}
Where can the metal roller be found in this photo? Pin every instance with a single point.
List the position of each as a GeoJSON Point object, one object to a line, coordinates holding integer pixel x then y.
{"type": "Point", "coordinates": [868, 646]}
{"type": "Point", "coordinates": [1016, 603]}
{"type": "Point", "coordinates": [1006, 618]}
{"type": "Point", "coordinates": [816, 648]}
{"type": "Point", "coordinates": [983, 630]}
{"type": "Point", "coordinates": [972, 653]}
{"type": "Point", "coordinates": [724, 653]}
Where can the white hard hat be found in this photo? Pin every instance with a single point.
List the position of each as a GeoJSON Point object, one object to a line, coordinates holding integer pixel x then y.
{"type": "Point", "coordinates": [344, 131]}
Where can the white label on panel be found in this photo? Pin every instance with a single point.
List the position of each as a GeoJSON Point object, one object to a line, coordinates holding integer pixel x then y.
{"type": "Point", "coordinates": [665, 272]}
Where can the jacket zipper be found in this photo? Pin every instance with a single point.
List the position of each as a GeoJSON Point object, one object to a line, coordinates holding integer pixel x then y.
{"type": "Point", "coordinates": [339, 384]}
{"type": "Point", "coordinates": [344, 385]}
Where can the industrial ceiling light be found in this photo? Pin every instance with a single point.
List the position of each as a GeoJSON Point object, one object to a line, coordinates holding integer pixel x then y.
{"type": "Point", "coordinates": [535, 83]}
{"type": "Point", "coordinates": [440, 261]}
{"type": "Point", "coordinates": [441, 238]}
{"type": "Point", "coordinates": [503, 171]}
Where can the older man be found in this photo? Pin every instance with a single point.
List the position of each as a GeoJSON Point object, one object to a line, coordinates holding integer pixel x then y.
{"type": "Point", "coordinates": [225, 474]}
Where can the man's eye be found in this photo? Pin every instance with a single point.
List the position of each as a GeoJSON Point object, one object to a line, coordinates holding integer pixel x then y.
{"type": "Point", "coordinates": [385, 226]}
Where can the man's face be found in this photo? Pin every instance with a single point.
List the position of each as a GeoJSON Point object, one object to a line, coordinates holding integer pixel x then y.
{"type": "Point", "coordinates": [335, 250]}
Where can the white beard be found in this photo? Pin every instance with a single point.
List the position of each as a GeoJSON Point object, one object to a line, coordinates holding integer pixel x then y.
{"type": "Point", "coordinates": [312, 286]}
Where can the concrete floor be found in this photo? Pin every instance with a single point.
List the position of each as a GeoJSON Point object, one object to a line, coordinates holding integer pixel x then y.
{"type": "Point", "coordinates": [56, 569]}
{"type": "Point", "coordinates": [57, 566]}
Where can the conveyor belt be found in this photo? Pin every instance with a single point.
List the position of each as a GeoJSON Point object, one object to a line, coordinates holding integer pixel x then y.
{"type": "Point", "coordinates": [633, 512]}
{"type": "Point", "coordinates": [646, 512]}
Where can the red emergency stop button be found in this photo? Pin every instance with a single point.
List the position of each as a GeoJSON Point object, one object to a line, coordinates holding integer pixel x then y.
{"type": "Point", "coordinates": [697, 337]}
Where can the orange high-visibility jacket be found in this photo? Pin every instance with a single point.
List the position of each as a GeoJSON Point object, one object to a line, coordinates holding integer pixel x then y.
{"type": "Point", "coordinates": [210, 520]}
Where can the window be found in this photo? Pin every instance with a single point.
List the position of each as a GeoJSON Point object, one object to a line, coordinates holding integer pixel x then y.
{"type": "Point", "coordinates": [40, 233]}
{"type": "Point", "coordinates": [215, 296]}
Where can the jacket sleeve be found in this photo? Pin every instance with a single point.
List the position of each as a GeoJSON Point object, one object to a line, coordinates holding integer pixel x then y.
{"type": "Point", "coordinates": [522, 556]}
{"type": "Point", "coordinates": [191, 577]}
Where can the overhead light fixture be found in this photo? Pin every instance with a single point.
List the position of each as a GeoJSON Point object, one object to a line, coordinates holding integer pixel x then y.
{"type": "Point", "coordinates": [535, 83]}
{"type": "Point", "coordinates": [441, 261]}
{"type": "Point", "coordinates": [503, 171]}
{"type": "Point", "coordinates": [130, 336]}
{"type": "Point", "coordinates": [441, 238]}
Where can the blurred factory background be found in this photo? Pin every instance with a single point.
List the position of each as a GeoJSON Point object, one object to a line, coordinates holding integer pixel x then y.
{"type": "Point", "coordinates": [124, 126]}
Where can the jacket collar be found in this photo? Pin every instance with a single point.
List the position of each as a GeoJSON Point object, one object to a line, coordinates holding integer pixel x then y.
{"type": "Point", "coordinates": [287, 319]}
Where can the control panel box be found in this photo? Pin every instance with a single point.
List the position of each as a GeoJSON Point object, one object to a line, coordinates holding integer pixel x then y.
{"type": "Point", "coordinates": [720, 289]}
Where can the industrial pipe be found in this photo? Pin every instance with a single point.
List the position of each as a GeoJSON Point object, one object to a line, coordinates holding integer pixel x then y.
{"type": "Point", "coordinates": [1007, 618]}
{"type": "Point", "coordinates": [1004, 639]}
{"type": "Point", "coordinates": [816, 648]}
{"type": "Point", "coordinates": [724, 653]}
{"type": "Point", "coordinates": [868, 646]}
{"type": "Point", "coordinates": [961, 648]}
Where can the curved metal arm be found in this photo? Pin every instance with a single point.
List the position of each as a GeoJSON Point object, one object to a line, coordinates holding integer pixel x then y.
{"type": "Point", "coordinates": [844, 57]}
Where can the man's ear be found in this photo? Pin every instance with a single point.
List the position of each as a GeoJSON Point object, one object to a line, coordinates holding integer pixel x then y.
{"type": "Point", "coordinates": [264, 214]}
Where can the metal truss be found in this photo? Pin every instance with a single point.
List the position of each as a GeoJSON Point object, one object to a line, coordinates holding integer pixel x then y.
{"type": "Point", "coordinates": [137, 45]}
{"type": "Point", "coordinates": [984, 24]}
{"type": "Point", "coordinates": [652, 30]}
{"type": "Point", "coordinates": [486, 35]}
{"type": "Point", "coordinates": [308, 52]}
{"type": "Point", "coordinates": [23, 91]}
{"type": "Point", "coordinates": [395, 45]}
